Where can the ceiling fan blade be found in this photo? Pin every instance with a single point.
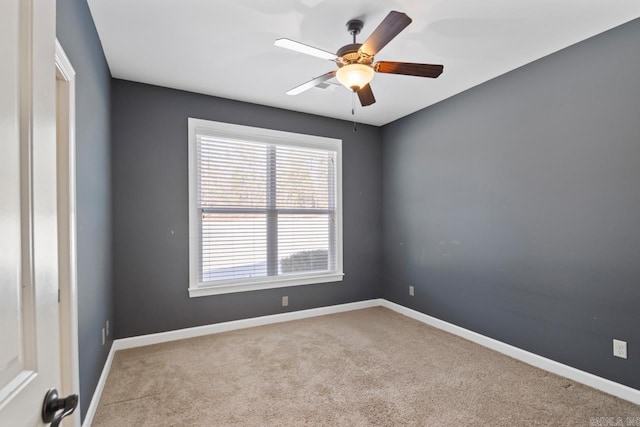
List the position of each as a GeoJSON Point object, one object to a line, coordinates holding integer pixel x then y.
{"type": "Point", "coordinates": [390, 27]}
{"type": "Point", "coordinates": [306, 49]}
{"type": "Point", "coordinates": [366, 96]}
{"type": "Point", "coordinates": [408, 68]}
{"type": "Point", "coordinates": [311, 83]}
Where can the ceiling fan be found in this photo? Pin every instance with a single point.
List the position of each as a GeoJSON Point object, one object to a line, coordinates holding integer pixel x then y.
{"type": "Point", "coordinates": [356, 66]}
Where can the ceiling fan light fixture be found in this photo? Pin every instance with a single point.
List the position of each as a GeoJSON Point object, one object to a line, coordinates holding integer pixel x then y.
{"type": "Point", "coordinates": [355, 76]}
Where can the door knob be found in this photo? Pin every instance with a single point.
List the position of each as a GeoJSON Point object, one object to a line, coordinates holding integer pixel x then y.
{"type": "Point", "coordinates": [52, 404]}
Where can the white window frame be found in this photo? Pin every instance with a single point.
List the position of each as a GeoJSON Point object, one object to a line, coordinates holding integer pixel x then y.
{"type": "Point", "coordinates": [248, 133]}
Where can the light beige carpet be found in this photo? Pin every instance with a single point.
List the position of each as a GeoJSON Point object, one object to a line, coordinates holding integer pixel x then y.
{"type": "Point", "coordinates": [361, 368]}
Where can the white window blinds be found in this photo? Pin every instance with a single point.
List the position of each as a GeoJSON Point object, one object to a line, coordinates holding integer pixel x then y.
{"type": "Point", "coordinates": [266, 209]}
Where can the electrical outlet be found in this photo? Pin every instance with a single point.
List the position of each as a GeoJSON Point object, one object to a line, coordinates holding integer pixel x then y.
{"type": "Point", "coordinates": [285, 301]}
{"type": "Point", "coordinates": [411, 290]}
{"type": "Point", "coordinates": [103, 336]}
{"type": "Point", "coordinates": [620, 348]}
{"type": "Point", "coordinates": [106, 327]}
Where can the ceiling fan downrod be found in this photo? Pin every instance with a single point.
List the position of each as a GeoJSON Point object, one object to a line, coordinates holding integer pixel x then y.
{"type": "Point", "coordinates": [354, 27]}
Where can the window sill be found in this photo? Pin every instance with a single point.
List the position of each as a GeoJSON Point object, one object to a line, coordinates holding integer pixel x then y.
{"type": "Point", "coordinates": [204, 290]}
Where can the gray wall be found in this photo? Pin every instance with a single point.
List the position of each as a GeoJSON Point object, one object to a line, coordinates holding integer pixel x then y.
{"type": "Point", "coordinates": [77, 35]}
{"type": "Point", "coordinates": [150, 199]}
{"type": "Point", "coordinates": [515, 211]}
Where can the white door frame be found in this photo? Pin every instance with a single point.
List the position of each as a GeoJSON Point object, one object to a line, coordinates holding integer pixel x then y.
{"type": "Point", "coordinates": [67, 255]}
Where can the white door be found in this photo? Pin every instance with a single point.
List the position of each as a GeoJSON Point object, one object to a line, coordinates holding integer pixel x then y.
{"type": "Point", "coordinates": [29, 344]}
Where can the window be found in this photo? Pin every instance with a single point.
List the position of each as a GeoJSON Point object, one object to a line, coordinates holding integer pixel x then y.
{"type": "Point", "coordinates": [265, 208]}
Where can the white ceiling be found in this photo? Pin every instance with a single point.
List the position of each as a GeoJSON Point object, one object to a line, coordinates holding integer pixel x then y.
{"type": "Point", "coordinates": [225, 48]}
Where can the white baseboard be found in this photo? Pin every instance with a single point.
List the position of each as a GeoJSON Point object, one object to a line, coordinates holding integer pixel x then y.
{"type": "Point", "coordinates": [97, 394]}
{"type": "Point", "coordinates": [594, 381]}
{"type": "Point", "coordinates": [233, 325]}
{"type": "Point", "coordinates": [599, 383]}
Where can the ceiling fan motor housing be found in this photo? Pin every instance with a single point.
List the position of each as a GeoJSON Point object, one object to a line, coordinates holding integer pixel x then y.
{"type": "Point", "coordinates": [349, 55]}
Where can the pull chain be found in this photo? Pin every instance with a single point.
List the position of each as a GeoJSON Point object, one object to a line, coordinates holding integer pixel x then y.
{"type": "Point", "coordinates": [353, 110]}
